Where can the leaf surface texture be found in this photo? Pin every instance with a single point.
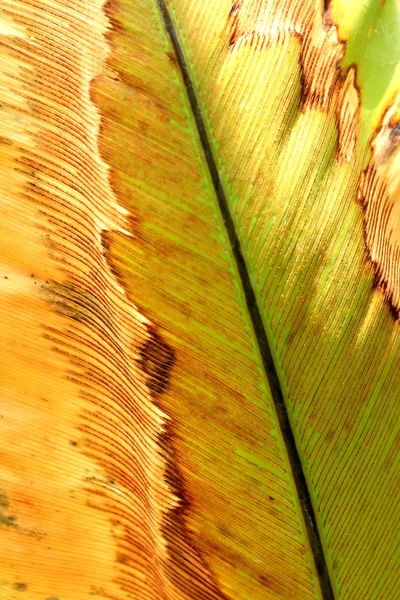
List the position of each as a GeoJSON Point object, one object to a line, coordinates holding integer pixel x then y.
{"type": "Point", "coordinates": [185, 384]}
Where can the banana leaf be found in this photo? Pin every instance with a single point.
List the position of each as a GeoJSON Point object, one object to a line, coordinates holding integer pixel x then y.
{"type": "Point", "coordinates": [200, 266]}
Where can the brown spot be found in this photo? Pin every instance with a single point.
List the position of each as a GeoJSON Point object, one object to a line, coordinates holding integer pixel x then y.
{"type": "Point", "coordinates": [156, 361]}
{"type": "Point", "coordinates": [105, 242]}
{"type": "Point", "coordinates": [123, 559]}
{"type": "Point", "coordinates": [21, 587]}
{"type": "Point", "coordinates": [172, 57]}
{"type": "Point", "coordinates": [73, 301]}
{"type": "Point", "coordinates": [395, 130]}
{"type": "Point", "coordinates": [8, 520]}
{"type": "Point", "coordinates": [233, 23]}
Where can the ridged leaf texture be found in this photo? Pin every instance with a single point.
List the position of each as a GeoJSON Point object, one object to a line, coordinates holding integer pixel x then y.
{"type": "Point", "coordinates": [200, 267]}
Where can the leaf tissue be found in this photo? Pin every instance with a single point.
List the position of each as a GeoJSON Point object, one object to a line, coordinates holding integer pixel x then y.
{"type": "Point", "coordinates": [200, 299]}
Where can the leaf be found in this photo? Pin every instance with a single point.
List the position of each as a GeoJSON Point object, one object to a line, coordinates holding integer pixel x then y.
{"type": "Point", "coordinates": [201, 358]}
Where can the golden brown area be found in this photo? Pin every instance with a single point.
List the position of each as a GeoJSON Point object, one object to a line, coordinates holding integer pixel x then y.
{"type": "Point", "coordinates": [380, 197]}
{"type": "Point", "coordinates": [83, 480]}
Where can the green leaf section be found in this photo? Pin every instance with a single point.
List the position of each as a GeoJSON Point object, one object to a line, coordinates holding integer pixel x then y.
{"type": "Point", "coordinates": [372, 32]}
{"type": "Point", "coordinates": [293, 200]}
{"type": "Point", "coordinates": [240, 507]}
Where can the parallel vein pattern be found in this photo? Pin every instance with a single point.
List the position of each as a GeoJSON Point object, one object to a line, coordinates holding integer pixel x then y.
{"type": "Point", "coordinates": [241, 507]}
{"type": "Point", "coordinates": [81, 472]}
{"type": "Point", "coordinates": [141, 453]}
{"type": "Point", "coordinates": [290, 150]}
{"type": "Point", "coordinates": [265, 350]}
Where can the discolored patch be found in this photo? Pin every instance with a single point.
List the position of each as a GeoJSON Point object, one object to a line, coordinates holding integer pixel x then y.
{"type": "Point", "coordinates": [380, 198]}
{"type": "Point", "coordinates": [156, 361]}
{"type": "Point", "coordinates": [172, 57]}
{"type": "Point", "coordinates": [185, 565]}
{"type": "Point", "coordinates": [20, 587]}
{"type": "Point", "coordinates": [8, 520]}
{"type": "Point", "coordinates": [233, 22]}
{"type": "Point", "coordinates": [76, 335]}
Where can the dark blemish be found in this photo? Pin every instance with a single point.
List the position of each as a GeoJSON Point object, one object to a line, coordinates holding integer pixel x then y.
{"type": "Point", "coordinates": [184, 556]}
{"type": "Point", "coordinates": [395, 133]}
{"type": "Point", "coordinates": [105, 242]}
{"type": "Point", "coordinates": [5, 141]}
{"type": "Point", "coordinates": [52, 598]}
{"type": "Point", "coordinates": [5, 277]}
{"type": "Point", "coordinates": [233, 23]}
{"type": "Point", "coordinates": [8, 520]}
{"type": "Point", "coordinates": [121, 558]}
{"type": "Point", "coordinates": [73, 443]}
{"type": "Point", "coordinates": [21, 587]}
{"type": "Point", "coordinates": [271, 497]}
{"type": "Point", "coordinates": [392, 143]}
{"type": "Point", "coordinates": [156, 360]}
{"type": "Point", "coordinates": [171, 57]}
{"type": "Point", "coordinates": [76, 302]}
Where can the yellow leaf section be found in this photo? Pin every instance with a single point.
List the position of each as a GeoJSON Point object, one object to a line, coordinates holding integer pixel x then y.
{"type": "Point", "coordinates": [92, 501]}
{"type": "Point", "coordinates": [83, 482]}
{"type": "Point", "coordinates": [239, 512]}
{"type": "Point", "coordinates": [349, 15]}
{"type": "Point", "coordinates": [288, 151]}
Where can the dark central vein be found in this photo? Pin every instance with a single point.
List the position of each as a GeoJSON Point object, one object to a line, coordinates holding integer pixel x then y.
{"type": "Point", "coordinates": [264, 346]}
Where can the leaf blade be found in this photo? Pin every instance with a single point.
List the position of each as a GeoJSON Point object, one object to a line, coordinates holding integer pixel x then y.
{"type": "Point", "coordinates": [343, 340]}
